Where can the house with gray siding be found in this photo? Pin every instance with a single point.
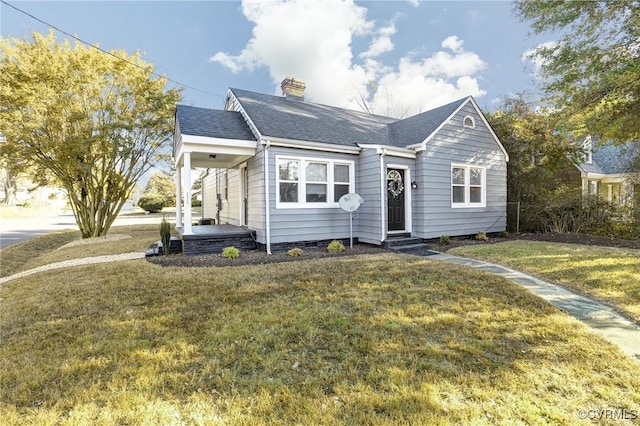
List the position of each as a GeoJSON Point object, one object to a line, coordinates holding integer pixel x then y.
{"type": "Point", "coordinates": [278, 165]}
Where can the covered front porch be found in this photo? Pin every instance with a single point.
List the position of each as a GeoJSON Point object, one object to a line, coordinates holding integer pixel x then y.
{"type": "Point", "coordinates": [201, 142]}
{"type": "Point", "coordinates": [211, 239]}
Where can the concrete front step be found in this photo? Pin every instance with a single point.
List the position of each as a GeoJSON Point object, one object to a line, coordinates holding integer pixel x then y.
{"type": "Point", "coordinates": [402, 241]}
{"type": "Point", "coordinates": [410, 247]}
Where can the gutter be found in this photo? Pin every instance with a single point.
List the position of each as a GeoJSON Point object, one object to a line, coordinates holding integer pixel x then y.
{"type": "Point", "coordinates": [267, 216]}
{"type": "Point", "coordinates": [383, 178]}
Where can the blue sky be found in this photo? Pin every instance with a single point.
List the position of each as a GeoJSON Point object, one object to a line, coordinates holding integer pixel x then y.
{"type": "Point", "coordinates": [419, 54]}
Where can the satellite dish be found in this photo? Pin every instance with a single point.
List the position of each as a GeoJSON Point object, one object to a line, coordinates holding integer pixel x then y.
{"type": "Point", "coordinates": [350, 202]}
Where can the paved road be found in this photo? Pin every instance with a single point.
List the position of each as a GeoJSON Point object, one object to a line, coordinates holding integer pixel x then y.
{"type": "Point", "coordinates": [15, 230]}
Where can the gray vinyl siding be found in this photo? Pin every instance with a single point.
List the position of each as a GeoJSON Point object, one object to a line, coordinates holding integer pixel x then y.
{"type": "Point", "coordinates": [433, 214]}
{"type": "Point", "coordinates": [256, 219]}
{"type": "Point", "coordinates": [368, 178]}
{"type": "Point", "coordinates": [306, 224]}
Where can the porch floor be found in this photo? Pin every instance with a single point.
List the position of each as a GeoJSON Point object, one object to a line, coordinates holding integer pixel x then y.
{"type": "Point", "coordinates": [200, 231]}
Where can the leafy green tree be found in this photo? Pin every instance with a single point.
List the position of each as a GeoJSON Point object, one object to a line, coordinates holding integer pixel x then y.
{"type": "Point", "coordinates": [592, 73]}
{"type": "Point", "coordinates": [161, 186]}
{"type": "Point", "coordinates": [540, 168]}
{"type": "Point", "coordinates": [89, 121]}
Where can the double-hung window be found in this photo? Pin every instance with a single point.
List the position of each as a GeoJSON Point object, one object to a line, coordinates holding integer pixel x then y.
{"type": "Point", "coordinates": [310, 182]}
{"type": "Point", "coordinates": [468, 186]}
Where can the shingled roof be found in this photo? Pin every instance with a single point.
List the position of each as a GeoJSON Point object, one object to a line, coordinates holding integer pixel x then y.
{"type": "Point", "coordinates": [286, 118]}
{"type": "Point", "coordinates": [212, 123]}
{"type": "Point", "coordinates": [613, 159]}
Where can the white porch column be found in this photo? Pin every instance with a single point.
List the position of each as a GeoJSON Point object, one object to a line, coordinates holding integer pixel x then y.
{"type": "Point", "coordinates": [178, 195]}
{"type": "Point", "coordinates": [187, 193]}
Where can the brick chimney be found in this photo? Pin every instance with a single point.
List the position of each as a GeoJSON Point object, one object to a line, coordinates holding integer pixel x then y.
{"type": "Point", "coordinates": [293, 89]}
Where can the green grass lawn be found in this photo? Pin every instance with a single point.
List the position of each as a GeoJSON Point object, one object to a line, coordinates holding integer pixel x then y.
{"type": "Point", "coordinates": [609, 274]}
{"type": "Point", "coordinates": [381, 339]}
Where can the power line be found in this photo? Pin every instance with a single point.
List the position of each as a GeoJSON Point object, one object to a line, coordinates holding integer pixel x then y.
{"type": "Point", "coordinates": [107, 52]}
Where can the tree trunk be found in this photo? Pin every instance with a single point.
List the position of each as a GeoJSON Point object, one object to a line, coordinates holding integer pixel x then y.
{"type": "Point", "coordinates": [10, 187]}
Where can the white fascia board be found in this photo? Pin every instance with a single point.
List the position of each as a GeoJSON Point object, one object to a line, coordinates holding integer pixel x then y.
{"type": "Point", "coordinates": [391, 150]}
{"type": "Point", "coordinates": [314, 146]}
{"type": "Point", "coordinates": [218, 142]}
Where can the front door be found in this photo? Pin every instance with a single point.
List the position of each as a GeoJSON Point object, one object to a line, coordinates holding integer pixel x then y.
{"type": "Point", "coordinates": [395, 199]}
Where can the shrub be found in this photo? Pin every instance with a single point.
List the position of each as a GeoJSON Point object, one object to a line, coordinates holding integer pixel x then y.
{"type": "Point", "coordinates": [503, 234]}
{"type": "Point", "coordinates": [150, 204]}
{"type": "Point", "coordinates": [335, 246]}
{"type": "Point", "coordinates": [165, 236]}
{"type": "Point", "coordinates": [230, 252]}
{"type": "Point", "coordinates": [295, 252]}
{"type": "Point", "coordinates": [482, 236]}
{"type": "Point", "coordinates": [444, 240]}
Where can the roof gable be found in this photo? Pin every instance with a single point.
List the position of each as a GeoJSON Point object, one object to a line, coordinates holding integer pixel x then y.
{"type": "Point", "coordinates": [415, 129]}
{"type": "Point", "coordinates": [212, 123]}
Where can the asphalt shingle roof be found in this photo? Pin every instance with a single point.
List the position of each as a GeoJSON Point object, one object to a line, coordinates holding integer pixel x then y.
{"type": "Point", "coordinates": [212, 123]}
{"type": "Point", "coordinates": [415, 129]}
{"type": "Point", "coordinates": [612, 159]}
{"type": "Point", "coordinates": [279, 117]}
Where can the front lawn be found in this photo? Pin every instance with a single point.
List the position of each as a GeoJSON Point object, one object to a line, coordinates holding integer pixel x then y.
{"type": "Point", "coordinates": [609, 274]}
{"type": "Point", "coordinates": [372, 339]}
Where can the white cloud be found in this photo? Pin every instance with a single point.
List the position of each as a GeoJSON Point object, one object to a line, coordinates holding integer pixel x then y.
{"type": "Point", "coordinates": [534, 59]}
{"type": "Point", "coordinates": [453, 43]}
{"type": "Point", "coordinates": [414, 3]}
{"type": "Point", "coordinates": [381, 42]}
{"type": "Point", "coordinates": [312, 41]}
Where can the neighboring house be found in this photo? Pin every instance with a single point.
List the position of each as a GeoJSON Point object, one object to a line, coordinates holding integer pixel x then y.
{"type": "Point", "coordinates": [279, 165]}
{"type": "Point", "coordinates": [609, 172]}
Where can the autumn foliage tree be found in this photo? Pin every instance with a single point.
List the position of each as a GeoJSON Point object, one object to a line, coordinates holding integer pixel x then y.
{"type": "Point", "coordinates": [91, 122]}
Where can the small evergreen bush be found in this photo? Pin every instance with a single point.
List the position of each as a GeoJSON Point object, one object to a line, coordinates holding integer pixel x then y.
{"type": "Point", "coordinates": [503, 234]}
{"type": "Point", "coordinates": [295, 252]}
{"type": "Point", "coordinates": [165, 236]}
{"type": "Point", "coordinates": [335, 246]}
{"type": "Point", "coordinates": [151, 204]}
{"type": "Point", "coordinates": [444, 240]}
{"type": "Point", "coordinates": [230, 252]}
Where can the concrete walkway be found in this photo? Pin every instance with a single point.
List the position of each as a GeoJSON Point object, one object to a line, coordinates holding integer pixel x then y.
{"type": "Point", "coordinates": [74, 262]}
{"type": "Point", "coordinates": [599, 317]}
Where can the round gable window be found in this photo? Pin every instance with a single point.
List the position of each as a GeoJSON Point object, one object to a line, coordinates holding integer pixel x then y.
{"type": "Point", "coordinates": [469, 122]}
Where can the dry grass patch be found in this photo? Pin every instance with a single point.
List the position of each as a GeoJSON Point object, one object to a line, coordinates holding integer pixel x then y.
{"type": "Point", "coordinates": [55, 247]}
{"type": "Point", "coordinates": [383, 339]}
{"type": "Point", "coordinates": [609, 274]}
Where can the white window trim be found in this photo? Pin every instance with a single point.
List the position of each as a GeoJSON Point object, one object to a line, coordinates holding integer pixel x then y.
{"type": "Point", "coordinates": [473, 122]}
{"type": "Point", "coordinates": [302, 181]}
{"type": "Point", "coordinates": [467, 185]}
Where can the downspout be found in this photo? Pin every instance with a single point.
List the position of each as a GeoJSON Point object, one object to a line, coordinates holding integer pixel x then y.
{"type": "Point", "coordinates": [267, 217]}
{"type": "Point", "coordinates": [383, 181]}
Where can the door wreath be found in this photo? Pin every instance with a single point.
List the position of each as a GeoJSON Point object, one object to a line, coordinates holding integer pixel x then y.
{"type": "Point", "coordinates": [395, 185]}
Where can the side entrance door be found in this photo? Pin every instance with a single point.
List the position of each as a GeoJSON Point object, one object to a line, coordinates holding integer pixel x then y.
{"type": "Point", "coordinates": [244, 175]}
{"type": "Point", "coordinates": [395, 200]}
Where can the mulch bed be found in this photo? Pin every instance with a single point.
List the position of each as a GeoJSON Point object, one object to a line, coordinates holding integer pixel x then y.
{"type": "Point", "coordinates": [257, 257]}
